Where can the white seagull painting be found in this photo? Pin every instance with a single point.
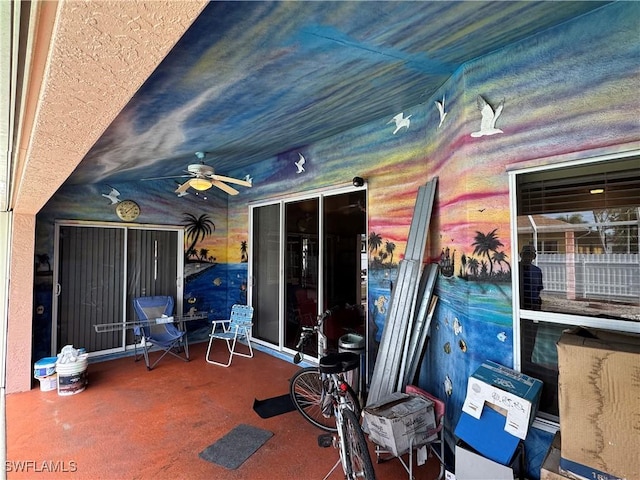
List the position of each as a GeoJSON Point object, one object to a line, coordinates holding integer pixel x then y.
{"type": "Point", "coordinates": [401, 121]}
{"type": "Point", "coordinates": [443, 114]}
{"type": "Point", "coordinates": [300, 163]}
{"type": "Point", "coordinates": [113, 196]}
{"type": "Point", "coordinates": [489, 117]}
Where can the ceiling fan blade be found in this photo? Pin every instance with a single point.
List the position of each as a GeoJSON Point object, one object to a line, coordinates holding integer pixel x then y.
{"type": "Point", "coordinates": [164, 178]}
{"type": "Point", "coordinates": [184, 187]}
{"type": "Point", "coordinates": [225, 187]}
{"type": "Point", "coordinates": [222, 178]}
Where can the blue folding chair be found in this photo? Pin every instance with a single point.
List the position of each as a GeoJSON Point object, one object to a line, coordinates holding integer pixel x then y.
{"type": "Point", "coordinates": [154, 327]}
{"type": "Point", "coordinates": [237, 327]}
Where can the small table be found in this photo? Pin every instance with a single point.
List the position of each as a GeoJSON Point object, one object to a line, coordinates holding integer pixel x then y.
{"type": "Point", "coordinates": [179, 319]}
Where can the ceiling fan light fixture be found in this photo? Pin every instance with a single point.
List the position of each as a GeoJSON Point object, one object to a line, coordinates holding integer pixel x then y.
{"type": "Point", "coordinates": [200, 184]}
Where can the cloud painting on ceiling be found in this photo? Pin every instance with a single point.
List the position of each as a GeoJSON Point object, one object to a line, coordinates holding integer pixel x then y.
{"type": "Point", "coordinates": [250, 80]}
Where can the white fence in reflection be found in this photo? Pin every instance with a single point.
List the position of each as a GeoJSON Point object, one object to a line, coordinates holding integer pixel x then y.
{"type": "Point", "coordinates": [592, 275]}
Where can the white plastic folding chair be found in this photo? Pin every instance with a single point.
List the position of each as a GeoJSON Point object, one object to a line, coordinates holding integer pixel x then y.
{"type": "Point", "coordinates": [234, 331]}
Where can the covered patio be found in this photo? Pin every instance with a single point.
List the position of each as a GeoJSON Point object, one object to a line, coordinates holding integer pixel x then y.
{"type": "Point", "coordinates": [130, 423]}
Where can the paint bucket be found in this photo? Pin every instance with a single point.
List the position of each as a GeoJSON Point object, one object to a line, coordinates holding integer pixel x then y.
{"type": "Point", "coordinates": [72, 376]}
{"type": "Point", "coordinates": [44, 367]}
{"type": "Point", "coordinates": [48, 383]}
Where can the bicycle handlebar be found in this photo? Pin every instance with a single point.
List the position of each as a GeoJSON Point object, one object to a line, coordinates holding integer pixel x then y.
{"type": "Point", "coordinates": [307, 331]}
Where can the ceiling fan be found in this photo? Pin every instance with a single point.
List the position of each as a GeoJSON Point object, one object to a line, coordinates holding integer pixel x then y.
{"type": "Point", "coordinates": [203, 178]}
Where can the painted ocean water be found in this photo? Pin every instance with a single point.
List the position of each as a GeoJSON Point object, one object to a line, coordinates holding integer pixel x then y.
{"type": "Point", "coordinates": [214, 290]}
{"type": "Point", "coordinates": [472, 323]}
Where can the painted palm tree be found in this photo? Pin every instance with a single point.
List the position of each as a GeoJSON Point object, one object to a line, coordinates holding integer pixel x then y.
{"type": "Point", "coordinates": [500, 258]}
{"type": "Point", "coordinates": [204, 253]}
{"type": "Point", "coordinates": [389, 248]}
{"type": "Point", "coordinates": [375, 241]}
{"type": "Point", "coordinates": [484, 271]}
{"type": "Point", "coordinates": [485, 244]}
{"type": "Point", "coordinates": [243, 251]}
{"type": "Point", "coordinates": [474, 266]}
{"type": "Point", "coordinates": [197, 228]}
{"type": "Point", "coordinates": [463, 267]}
{"type": "Point", "coordinates": [190, 252]}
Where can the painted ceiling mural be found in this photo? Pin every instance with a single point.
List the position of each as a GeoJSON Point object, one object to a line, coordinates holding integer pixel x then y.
{"type": "Point", "coordinates": [253, 80]}
{"type": "Point", "coordinates": [540, 98]}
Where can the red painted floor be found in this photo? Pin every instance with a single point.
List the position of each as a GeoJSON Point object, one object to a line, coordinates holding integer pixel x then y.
{"type": "Point", "coordinates": [131, 423]}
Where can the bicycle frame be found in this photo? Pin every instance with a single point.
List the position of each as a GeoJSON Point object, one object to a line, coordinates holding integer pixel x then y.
{"type": "Point", "coordinates": [335, 393]}
{"type": "Point", "coordinates": [308, 332]}
{"type": "Point", "coordinates": [339, 404]}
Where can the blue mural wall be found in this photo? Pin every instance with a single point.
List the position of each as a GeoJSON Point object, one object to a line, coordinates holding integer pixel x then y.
{"type": "Point", "coordinates": [566, 94]}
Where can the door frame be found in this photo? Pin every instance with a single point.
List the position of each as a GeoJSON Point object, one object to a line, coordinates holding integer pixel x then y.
{"type": "Point", "coordinates": [123, 314]}
{"type": "Point", "coordinates": [281, 201]}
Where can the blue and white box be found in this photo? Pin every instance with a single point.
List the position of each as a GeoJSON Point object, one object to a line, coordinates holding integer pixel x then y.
{"type": "Point", "coordinates": [512, 393]}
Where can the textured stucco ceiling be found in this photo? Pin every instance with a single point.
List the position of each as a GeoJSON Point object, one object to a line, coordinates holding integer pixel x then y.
{"type": "Point", "coordinates": [87, 60]}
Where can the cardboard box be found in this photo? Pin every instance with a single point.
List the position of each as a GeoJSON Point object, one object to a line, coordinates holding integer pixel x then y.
{"type": "Point", "coordinates": [486, 435]}
{"type": "Point", "coordinates": [400, 421]}
{"type": "Point", "coordinates": [550, 469]}
{"type": "Point", "coordinates": [514, 393]}
{"type": "Point", "coordinates": [599, 388]}
{"type": "Point", "coordinates": [471, 466]}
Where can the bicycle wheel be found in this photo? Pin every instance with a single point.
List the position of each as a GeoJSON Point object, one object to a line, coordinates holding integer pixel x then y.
{"type": "Point", "coordinates": [306, 393]}
{"type": "Point", "coordinates": [356, 448]}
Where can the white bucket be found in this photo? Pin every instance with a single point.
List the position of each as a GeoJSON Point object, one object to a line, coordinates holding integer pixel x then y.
{"type": "Point", "coordinates": [48, 383]}
{"type": "Point", "coordinates": [72, 376]}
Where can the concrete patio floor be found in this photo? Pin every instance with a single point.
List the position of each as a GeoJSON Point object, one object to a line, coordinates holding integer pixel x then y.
{"type": "Point", "coordinates": [130, 423]}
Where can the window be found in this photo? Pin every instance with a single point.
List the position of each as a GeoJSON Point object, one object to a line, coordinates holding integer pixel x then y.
{"type": "Point", "coordinates": [578, 246]}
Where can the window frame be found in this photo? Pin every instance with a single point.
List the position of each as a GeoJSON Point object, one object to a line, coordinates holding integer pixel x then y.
{"type": "Point", "coordinates": [544, 422]}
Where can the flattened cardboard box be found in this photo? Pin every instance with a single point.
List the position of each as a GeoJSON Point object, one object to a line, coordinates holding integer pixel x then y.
{"type": "Point", "coordinates": [599, 392]}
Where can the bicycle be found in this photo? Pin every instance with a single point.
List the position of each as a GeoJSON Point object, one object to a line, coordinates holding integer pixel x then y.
{"type": "Point", "coordinates": [322, 393]}
{"type": "Point", "coordinates": [306, 386]}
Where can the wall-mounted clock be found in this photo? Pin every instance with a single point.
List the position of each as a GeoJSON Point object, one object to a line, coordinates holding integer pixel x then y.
{"type": "Point", "coordinates": [128, 210]}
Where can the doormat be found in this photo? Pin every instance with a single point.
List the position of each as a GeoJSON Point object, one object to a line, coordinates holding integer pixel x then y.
{"type": "Point", "coordinates": [235, 447]}
{"type": "Point", "coordinates": [271, 407]}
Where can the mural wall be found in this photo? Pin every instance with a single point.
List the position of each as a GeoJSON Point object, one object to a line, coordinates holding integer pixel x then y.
{"type": "Point", "coordinates": [569, 93]}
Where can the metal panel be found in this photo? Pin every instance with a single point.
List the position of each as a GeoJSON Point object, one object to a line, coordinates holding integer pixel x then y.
{"type": "Point", "coordinates": [386, 370]}
{"type": "Point", "coordinates": [419, 228]}
{"type": "Point", "coordinates": [419, 328]}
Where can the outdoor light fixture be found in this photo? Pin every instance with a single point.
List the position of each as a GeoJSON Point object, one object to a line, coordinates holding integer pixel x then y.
{"type": "Point", "coordinates": [596, 191]}
{"type": "Point", "coordinates": [358, 181]}
{"type": "Point", "coordinates": [200, 184]}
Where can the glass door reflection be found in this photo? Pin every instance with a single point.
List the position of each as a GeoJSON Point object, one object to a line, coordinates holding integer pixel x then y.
{"type": "Point", "coordinates": [301, 269]}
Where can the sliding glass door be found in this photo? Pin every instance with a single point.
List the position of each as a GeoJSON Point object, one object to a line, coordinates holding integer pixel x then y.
{"type": "Point", "coordinates": [301, 267]}
{"type": "Point", "coordinates": [264, 273]}
{"type": "Point", "coordinates": [100, 269]}
{"type": "Point", "coordinates": [306, 257]}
